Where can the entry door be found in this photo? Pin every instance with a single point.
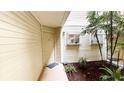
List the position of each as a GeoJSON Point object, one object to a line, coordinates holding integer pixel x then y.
{"type": "Point", "coordinates": [48, 47]}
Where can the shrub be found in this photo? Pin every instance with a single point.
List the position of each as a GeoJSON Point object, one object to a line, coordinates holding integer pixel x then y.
{"type": "Point", "coordinates": [70, 69]}
{"type": "Point", "coordinates": [111, 75]}
{"type": "Point", "coordinates": [82, 62]}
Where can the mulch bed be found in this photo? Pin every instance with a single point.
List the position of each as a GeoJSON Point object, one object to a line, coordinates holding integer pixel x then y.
{"type": "Point", "coordinates": [91, 72]}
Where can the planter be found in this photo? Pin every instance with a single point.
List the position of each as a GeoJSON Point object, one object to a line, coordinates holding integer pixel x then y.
{"type": "Point", "coordinates": [90, 72]}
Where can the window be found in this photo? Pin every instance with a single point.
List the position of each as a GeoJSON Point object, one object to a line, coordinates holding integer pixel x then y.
{"type": "Point", "coordinates": [73, 39]}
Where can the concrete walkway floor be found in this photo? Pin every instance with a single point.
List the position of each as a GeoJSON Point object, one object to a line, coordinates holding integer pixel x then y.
{"type": "Point", "coordinates": [55, 74]}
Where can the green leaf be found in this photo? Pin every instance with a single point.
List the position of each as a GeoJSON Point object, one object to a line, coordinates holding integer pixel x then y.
{"type": "Point", "coordinates": [117, 74]}
{"type": "Point", "coordinates": [105, 77]}
{"type": "Point", "coordinates": [109, 71]}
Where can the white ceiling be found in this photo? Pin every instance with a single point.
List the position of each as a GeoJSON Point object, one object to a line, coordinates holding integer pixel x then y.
{"type": "Point", "coordinates": [77, 18]}
{"type": "Point", "coordinates": [51, 18]}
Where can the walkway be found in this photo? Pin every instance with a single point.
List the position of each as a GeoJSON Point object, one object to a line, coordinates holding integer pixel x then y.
{"type": "Point", "coordinates": [55, 74]}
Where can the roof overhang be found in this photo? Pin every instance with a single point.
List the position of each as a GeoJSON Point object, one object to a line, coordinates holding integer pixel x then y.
{"type": "Point", "coordinates": [51, 18]}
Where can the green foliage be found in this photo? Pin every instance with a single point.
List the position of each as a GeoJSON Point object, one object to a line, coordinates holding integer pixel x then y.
{"type": "Point", "coordinates": [111, 75]}
{"type": "Point", "coordinates": [70, 69]}
{"type": "Point", "coordinates": [120, 45]}
{"type": "Point", "coordinates": [114, 28]}
{"type": "Point", "coordinates": [82, 61]}
{"type": "Point", "coordinates": [101, 20]}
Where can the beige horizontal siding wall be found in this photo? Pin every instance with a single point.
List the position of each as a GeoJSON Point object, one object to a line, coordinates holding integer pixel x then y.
{"type": "Point", "coordinates": [20, 46]}
{"type": "Point", "coordinates": [72, 53]}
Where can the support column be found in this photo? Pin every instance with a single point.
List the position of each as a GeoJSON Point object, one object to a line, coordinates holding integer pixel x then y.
{"type": "Point", "coordinates": [58, 45]}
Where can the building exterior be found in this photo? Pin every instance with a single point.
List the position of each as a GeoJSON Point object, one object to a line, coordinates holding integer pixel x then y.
{"type": "Point", "coordinates": [87, 44]}
{"type": "Point", "coordinates": [28, 42]}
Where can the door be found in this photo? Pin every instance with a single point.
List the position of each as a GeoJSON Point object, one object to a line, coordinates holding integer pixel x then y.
{"type": "Point", "coordinates": [48, 47]}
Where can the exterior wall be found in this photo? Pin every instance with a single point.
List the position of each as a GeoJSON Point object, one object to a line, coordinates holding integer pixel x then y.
{"type": "Point", "coordinates": [20, 46]}
{"type": "Point", "coordinates": [48, 40]}
{"type": "Point", "coordinates": [25, 46]}
{"type": "Point", "coordinates": [51, 45]}
{"type": "Point", "coordinates": [58, 45]}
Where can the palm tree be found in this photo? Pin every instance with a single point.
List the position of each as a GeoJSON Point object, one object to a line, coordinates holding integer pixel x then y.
{"type": "Point", "coordinates": [109, 21]}
{"type": "Point", "coordinates": [117, 28]}
{"type": "Point", "coordinates": [93, 27]}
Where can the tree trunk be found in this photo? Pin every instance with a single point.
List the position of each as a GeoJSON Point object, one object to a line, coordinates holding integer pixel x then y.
{"type": "Point", "coordinates": [99, 46]}
{"type": "Point", "coordinates": [111, 35]}
{"type": "Point", "coordinates": [106, 44]}
{"type": "Point", "coordinates": [118, 34]}
{"type": "Point", "coordinates": [118, 58]}
{"type": "Point", "coordinates": [123, 64]}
